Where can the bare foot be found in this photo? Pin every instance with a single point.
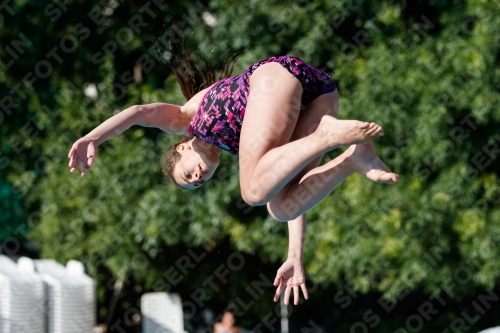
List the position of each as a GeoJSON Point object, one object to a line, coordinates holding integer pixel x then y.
{"type": "Point", "coordinates": [365, 161]}
{"type": "Point", "coordinates": [335, 133]}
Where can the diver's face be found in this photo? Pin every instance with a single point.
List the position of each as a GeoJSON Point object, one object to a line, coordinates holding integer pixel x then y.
{"type": "Point", "coordinates": [192, 170]}
{"type": "Point", "coordinates": [228, 319]}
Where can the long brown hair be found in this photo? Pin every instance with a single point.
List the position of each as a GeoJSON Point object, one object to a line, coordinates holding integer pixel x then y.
{"type": "Point", "coordinates": [192, 78]}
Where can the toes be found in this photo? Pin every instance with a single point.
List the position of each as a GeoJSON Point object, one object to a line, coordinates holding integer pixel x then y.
{"type": "Point", "coordinates": [375, 130]}
{"type": "Point", "coordinates": [379, 131]}
{"type": "Point", "coordinates": [371, 129]}
{"type": "Point", "coordinates": [380, 176]}
{"type": "Point", "coordinates": [388, 178]}
{"type": "Point", "coordinates": [364, 125]}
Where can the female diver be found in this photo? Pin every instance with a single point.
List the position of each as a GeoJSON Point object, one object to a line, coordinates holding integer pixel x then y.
{"type": "Point", "coordinates": [279, 117]}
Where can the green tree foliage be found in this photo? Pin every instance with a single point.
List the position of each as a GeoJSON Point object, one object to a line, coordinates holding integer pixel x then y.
{"type": "Point", "coordinates": [426, 71]}
{"type": "Point", "coordinates": [428, 74]}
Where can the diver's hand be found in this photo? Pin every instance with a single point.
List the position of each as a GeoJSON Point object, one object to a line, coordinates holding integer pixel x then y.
{"type": "Point", "coordinates": [291, 276]}
{"type": "Point", "coordinates": [83, 151]}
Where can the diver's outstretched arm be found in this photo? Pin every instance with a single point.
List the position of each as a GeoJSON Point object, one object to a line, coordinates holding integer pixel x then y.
{"type": "Point", "coordinates": [169, 118]}
{"type": "Point", "coordinates": [290, 275]}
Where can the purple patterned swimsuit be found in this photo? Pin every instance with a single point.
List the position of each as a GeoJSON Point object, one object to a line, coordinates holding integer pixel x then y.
{"type": "Point", "coordinates": [219, 117]}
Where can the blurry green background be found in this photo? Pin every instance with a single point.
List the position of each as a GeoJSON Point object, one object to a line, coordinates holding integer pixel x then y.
{"type": "Point", "coordinates": [427, 71]}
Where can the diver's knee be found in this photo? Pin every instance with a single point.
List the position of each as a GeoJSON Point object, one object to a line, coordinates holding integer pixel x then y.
{"type": "Point", "coordinates": [279, 214]}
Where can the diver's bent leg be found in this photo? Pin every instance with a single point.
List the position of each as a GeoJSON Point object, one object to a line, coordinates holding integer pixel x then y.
{"type": "Point", "coordinates": [307, 192]}
{"type": "Point", "coordinates": [315, 185]}
{"type": "Point", "coordinates": [268, 160]}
